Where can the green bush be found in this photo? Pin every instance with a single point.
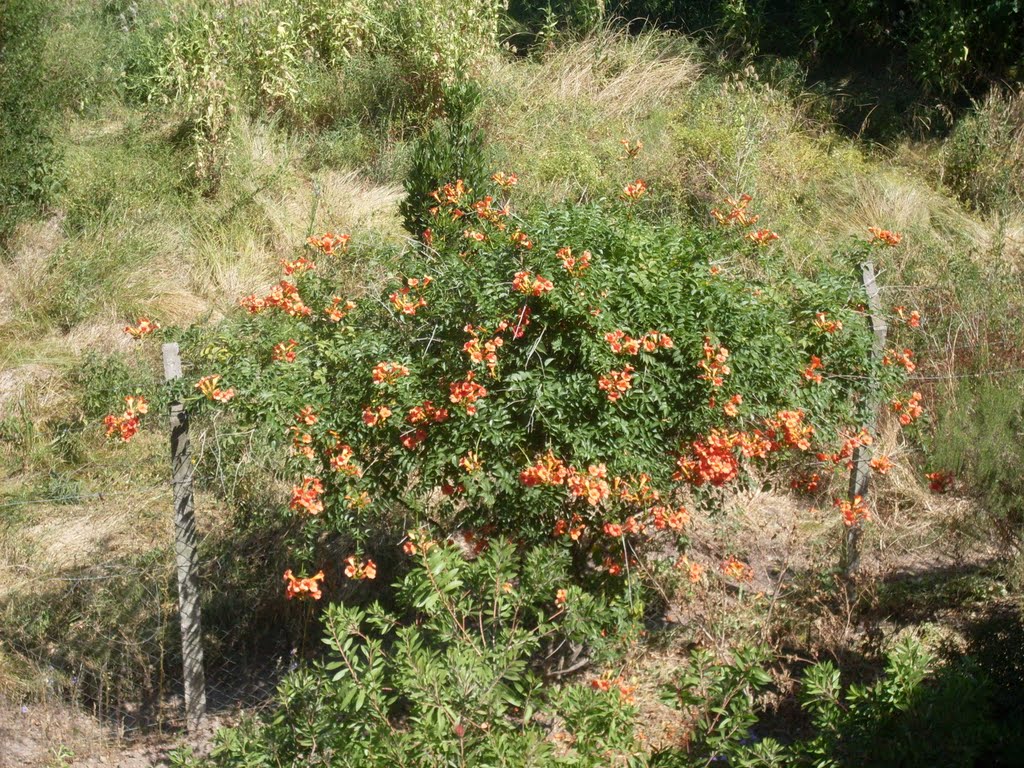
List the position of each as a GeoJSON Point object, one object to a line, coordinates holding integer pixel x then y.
{"type": "Point", "coordinates": [979, 440]}
{"type": "Point", "coordinates": [288, 60]}
{"type": "Point", "coordinates": [984, 157]}
{"type": "Point", "coordinates": [454, 675]}
{"type": "Point", "coordinates": [918, 713]}
{"type": "Point", "coordinates": [29, 159]}
{"type": "Point", "coordinates": [531, 20]}
{"type": "Point", "coordinates": [947, 47]}
{"type": "Point", "coordinates": [485, 384]}
{"type": "Point", "coordinates": [452, 148]}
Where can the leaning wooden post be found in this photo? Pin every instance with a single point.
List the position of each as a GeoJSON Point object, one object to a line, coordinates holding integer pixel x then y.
{"type": "Point", "coordinates": [185, 555]}
{"type": "Point", "coordinates": [861, 470]}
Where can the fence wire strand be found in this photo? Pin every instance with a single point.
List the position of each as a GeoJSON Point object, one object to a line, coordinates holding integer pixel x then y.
{"type": "Point", "coordinates": [94, 626]}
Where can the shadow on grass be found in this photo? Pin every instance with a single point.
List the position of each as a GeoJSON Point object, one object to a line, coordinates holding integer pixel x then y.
{"type": "Point", "coordinates": [967, 711]}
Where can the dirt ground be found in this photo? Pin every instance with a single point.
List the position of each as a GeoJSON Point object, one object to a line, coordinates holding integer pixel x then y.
{"type": "Point", "coordinates": [57, 736]}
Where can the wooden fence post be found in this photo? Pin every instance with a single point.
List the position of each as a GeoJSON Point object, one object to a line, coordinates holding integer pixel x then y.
{"type": "Point", "coordinates": [185, 555]}
{"type": "Point", "coordinates": [861, 471]}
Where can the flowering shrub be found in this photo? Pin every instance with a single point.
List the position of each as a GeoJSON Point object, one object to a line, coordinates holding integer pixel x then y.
{"type": "Point", "coordinates": [487, 387]}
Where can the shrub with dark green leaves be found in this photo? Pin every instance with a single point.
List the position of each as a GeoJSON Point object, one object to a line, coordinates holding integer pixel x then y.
{"type": "Point", "coordinates": [918, 713]}
{"type": "Point", "coordinates": [451, 148]}
{"type": "Point", "coordinates": [579, 371]}
{"type": "Point", "coordinates": [455, 674]}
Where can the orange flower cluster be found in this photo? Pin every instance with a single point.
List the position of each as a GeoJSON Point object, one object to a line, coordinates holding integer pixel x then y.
{"type": "Point", "coordinates": [732, 407]}
{"type": "Point", "coordinates": [807, 483]}
{"type": "Point", "coordinates": [339, 309]}
{"type": "Point", "coordinates": [613, 568]}
{"type": "Point", "coordinates": [904, 358]}
{"type": "Point", "coordinates": [637, 490]}
{"type": "Point", "coordinates": [665, 518]}
{"type": "Point", "coordinates": [850, 444]}
{"type": "Point", "coordinates": [810, 373]}
{"type": "Point", "coordinates": [854, 511]}
{"type": "Point", "coordinates": [761, 237]}
{"type": "Point", "coordinates": [410, 440]}
{"type": "Point", "coordinates": [467, 392]}
{"type": "Point", "coordinates": [881, 464]}
{"type": "Point", "coordinates": [481, 351]}
{"type": "Point", "coordinates": [306, 497]}
{"type": "Point", "coordinates": [909, 410]}
{"type": "Point", "coordinates": [477, 541]}
{"type": "Point", "coordinates": [410, 298]}
{"type": "Point", "coordinates": [884, 237]}
{"type": "Point", "coordinates": [711, 460]}
{"type": "Point", "coordinates": [548, 470]}
{"type": "Point", "coordinates": [795, 432]}
{"type": "Point", "coordinates": [473, 234]}
{"type": "Point", "coordinates": [143, 327]}
{"type": "Point", "coordinates": [714, 365]}
{"type": "Point", "coordinates": [758, 444]}
{"type": "Point", "coordinates": [561, 596]}
{"type": "Point", "coordinates": [520, 240]}
{"type": "Point", "coordinates": [360, 569]}
{"type": "Point", "coordinates": [613, 529]}
{"type": "Point", "coordinates": [328, 243]}
{"type": "Point", "coordinates": [737, 212]}
{"type": "Point", "coordinates": [574, 265]}
{"type": "Point", "coordinates": [297, 267]}
{"type": "Point", "coordinates": [373, 416]}
{"type": "Point", "coordinates": [651, 341]}
{"type": "Point", "coordinates": [426, 413]}
{"type": "Point", "coordinates": [485, 211]}
{"type": "Point", "coordinates": [592, 486]}
{"type": "Point", "coordinates": [301, 440]}
{"type": "Point", "coordinates": [574, 528]}
{"type": "Point", "coordinates": [360, 501]}
{"type": "Point", "coordinates": [284, 352]}
{"type": "Point", "coordinates": [633, 192]}
{"type": "Point", "coordinates": [450, 194]}
{"type": "Point", "coordinates": [521, 321]}
{"type": "Point", "coordinates": [626, 692]}
{"type": "Point", "coordinates": [940, 482]}
{"type": "Point", "coordinates": [303, 588]}
{"type": "Point", "coordinates": [736, 570]}
{"type": "Point", "coordinates": [632, 150]}
{"type": "Point", "coordinates": [823, 324]}
{"type": "Point", "coordinates": [340, 459]}
{"type": "Point", "coordinates": [471, 462]}
{"type": "Point", "coordinates": [388, 373]}
{"type": "Point", "coordinates": [417, 541]}
{"type": "Point", "coordinates": [283, 296]}
{"type": "Point", "coordinates": [208, 386]}
{"type": "Point", "coordinates": [530, 284]}
{"type": "Point", "coordinates": [302, 443]}
{"type": "Point", "coordinates": [913, 319]}
{"type": "Point", "coordinates": [504, 180]}
{"type": "Point", "coordinates": [615, 383]}
{"type": "Point", "coordinates": [694, 571]}
{"type": "Point", "coordinates": [126, 426]}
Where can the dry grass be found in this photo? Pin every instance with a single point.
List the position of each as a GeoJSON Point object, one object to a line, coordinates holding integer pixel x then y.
{"type": "Point", "coordinates": [619, 74]}
{"type": "Point", "coordinates": [558, 121]}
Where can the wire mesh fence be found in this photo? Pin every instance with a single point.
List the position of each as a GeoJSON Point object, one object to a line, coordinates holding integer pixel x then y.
{"type": "Point", "coordinates": [89, 619]}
